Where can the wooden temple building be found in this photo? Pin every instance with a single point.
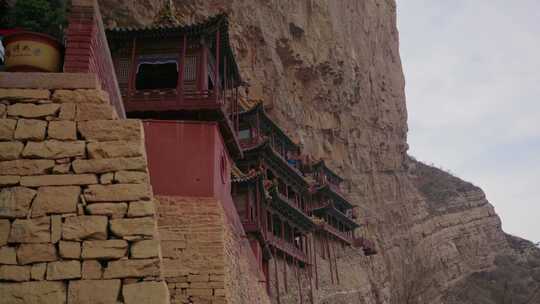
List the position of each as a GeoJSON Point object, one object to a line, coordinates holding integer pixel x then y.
{"type": "Point", "coordinates": [292, 209]}
{"type": "Point", "coordinates": [190, 75]}
{"type": "Point", "coordinates": [203, 140]}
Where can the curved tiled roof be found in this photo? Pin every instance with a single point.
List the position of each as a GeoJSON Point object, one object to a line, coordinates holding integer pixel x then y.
{"type": "Point", "coordinates": [238, 176]}
{"type": "Point", "coordinates": [170, 28]}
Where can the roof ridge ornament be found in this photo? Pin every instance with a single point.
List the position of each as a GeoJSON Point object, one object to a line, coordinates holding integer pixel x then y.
{"type": "Point", "coordinates": [168, 15]}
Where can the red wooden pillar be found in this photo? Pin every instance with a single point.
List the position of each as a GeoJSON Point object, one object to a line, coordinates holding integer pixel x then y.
{"type": "Point", "coordinates": [329, 257]}
{"type": "Point", "coordinates": [297, 269]}
{"type": "Point", "coordinates": [181, 76]}
{"type": "Point", "coordinates": [277, 276]}
{"type": "Point", "coordinates": [216, 69]}
{"type": "Point", "coordinates": [314, 245]}
{"type": "Point", "coordinates": [310, 273]}
{"type": "Point", "coordinates": [247, 207]}
{"type": "Point", "coordinates": [271, 224]}
{"type": "Point", "coordinates": [237, 109]}
{"type": "Point", "coordinates": [335, 263]}
{"type": "Point", "coordinates": [133, 68]}
{"type": "Point", "coordinates": [284, 257]}
{"type": "Point", "coordinates": [228, 106]}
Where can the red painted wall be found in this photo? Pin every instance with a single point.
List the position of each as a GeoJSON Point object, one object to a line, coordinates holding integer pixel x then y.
{"type": "Point", "coordinates": [184, 158]}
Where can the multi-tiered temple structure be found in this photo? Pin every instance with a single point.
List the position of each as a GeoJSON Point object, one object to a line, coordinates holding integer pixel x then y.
{"type": "Point", "coordinates": [240, 207]}
{"type": "Point", "coordinates": [204, 139]}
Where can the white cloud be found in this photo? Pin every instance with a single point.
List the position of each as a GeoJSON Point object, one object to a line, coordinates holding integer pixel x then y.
{"type": "Point", "coordinates": [472, 70]}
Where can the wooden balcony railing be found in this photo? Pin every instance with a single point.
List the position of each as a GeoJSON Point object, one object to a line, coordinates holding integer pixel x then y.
{"type": "Point", "coordinates": [287, 248]}
{"type": "Point", "coordinates": [339, 234]}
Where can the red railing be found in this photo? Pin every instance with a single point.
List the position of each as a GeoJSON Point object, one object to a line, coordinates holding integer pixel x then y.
{"type": "Point", "coordinates": [289, 202]}
{"type": "Point", "coordinates": [287, 248]}
{"type": "Point", "coordinates": [339, 234]}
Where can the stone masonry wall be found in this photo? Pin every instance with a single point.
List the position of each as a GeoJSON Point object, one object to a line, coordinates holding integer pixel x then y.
{"type": "Point", "coordinates": [76, 210]}
{"type": "Point", "coordinates": [204, 259]}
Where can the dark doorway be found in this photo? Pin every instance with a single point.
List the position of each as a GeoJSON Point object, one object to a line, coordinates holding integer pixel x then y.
{"type": "Point", "coordinates": [152, 76]}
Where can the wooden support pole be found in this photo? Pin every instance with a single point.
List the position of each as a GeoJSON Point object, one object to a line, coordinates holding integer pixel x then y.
{"type": "Point", "coordinates": [181, 71]}
{"type": "Point", "coordinates": [257, 206]}
{"type": "Point", "coordinates": [297, 269]}
{"type": "Point", "coordinates": [228, 106]}
{"type": "Point", "coordinates": [329, 258]}
{"type": "Point", "coordinates": [335, 263]}
{"type": "Point", "coordinates": [314, 243]}
{"type": "Point", "coordinates": [277, 275]}
{"type": "Point", "coordinates": [310, 272]}
{"type": "Point", "coordinates": [285, 282]}
{"type": "Point", "coordinates": [133, 69]}
{"type": "Point", "coordinates": [216, 71]}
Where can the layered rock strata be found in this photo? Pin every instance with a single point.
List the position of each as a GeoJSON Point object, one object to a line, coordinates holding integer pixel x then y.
{"type": "Point", "coordinates": [329, 72]}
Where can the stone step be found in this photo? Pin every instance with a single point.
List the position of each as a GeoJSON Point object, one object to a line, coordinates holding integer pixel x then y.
{"type": "Point", "coordinates": [51, 81]}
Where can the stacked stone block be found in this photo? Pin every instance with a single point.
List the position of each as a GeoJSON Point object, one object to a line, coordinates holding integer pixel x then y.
{"type": "Point", "coordinates": [206, 260]}
{"type": "Point", "coordinates": [77, 218]}
{"type": "Point", "coordinates": [191, 233]}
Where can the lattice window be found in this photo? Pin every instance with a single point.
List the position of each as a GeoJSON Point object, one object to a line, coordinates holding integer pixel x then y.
{"type": "Point", "coordinates": [122, 70]}
{"type": "Point", "coordinates": [190, 68]}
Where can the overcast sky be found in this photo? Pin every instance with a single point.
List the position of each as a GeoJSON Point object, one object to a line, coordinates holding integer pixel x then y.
{"type": "Point", "coordinates": [472, 70]}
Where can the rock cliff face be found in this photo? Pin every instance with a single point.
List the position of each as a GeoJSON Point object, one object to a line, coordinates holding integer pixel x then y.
{"type": "Point", "coordinates": [330, 74]}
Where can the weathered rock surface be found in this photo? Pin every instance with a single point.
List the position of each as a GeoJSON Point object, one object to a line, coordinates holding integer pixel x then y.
{"type": "Point", "coordinates": [94, 291]}
{"type": "Point", "coordinates": [14, 273]}
{"type": "Point", "coordinates": [131, 268]}
{"type": "Point", "coordinates": [5, 227]}
{"type": "Point", "coordinates": [30, 129]}
{"type": "Point", "coordinates": [26, 166]}
{"type": "Point", "coordinates": [54, 149]}
{"type": "Point", "coordinates": [10, 150]}
{"type": "Point", "coordinates": [15, 202]}
{"type": "Point", "coordinates": [104, 250]}
{"type": "Point", "coordinates": [28, 110]}
{"type": "Point", "coordinates": [141, 209]}
{"type": "Point", "coordinates": [87, 111]}
{"type": "Point", "coordinates": [145, 249]}
{"type": "Point", "coordinates": [329, 72]}
{"type": "Point", "coordinates": [7, 128]}
{"type": "Point", "coordinates": [8, 256]}
{"type": "Point", "coordinates": [114, 210]}
{"type": "Point", "coordinates": [35, 230]}
{"type": "Point", "coordinates": [62, 130]}
{"type": "Point", "coordinates": [24, 94]}
{"type": "Point", "coordinates": [81, 96]}
{"type": "Point", "coordinates": [69, 250]}
{"type": "Point", "coordinates": [91, 270]}
{"type": "Point", "coordinates": [110, 130]}
{"type": "Point", "coordinates": [144, 227]}
{"type": "Point", "coordinates": [58, 180]}
{"type": "Point", "coordinates": [146, 292]}
{"type": "Point", "coordinates": [108, 164]}
{"type": "Point", "coordinates": [39, 292]}
{"type": "Point", "coordinates": [114, 149]}
{"type": "Point", "coordinates": [32, 253]}
{"type": "Point", "coordinates": [86, 227]}
{"type": "Point", "coordinates": [60, 199]}
{"type": "Point", "coordinates": [117, 193]}
{"type": "Point", "coordinates": [63, 270]}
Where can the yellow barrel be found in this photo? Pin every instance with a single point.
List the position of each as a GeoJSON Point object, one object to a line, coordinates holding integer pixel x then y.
{"type": "Point", "coordinates": [32, 52]}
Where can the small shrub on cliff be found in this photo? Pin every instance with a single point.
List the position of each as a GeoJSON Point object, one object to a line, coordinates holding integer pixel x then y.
{"type": "Point", "coordinates": [43, 16]}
